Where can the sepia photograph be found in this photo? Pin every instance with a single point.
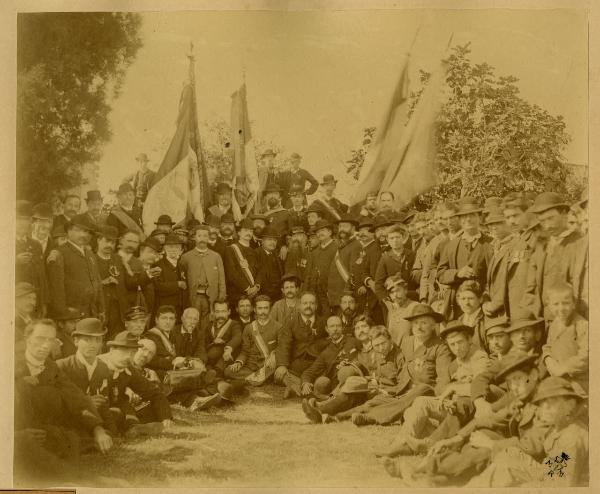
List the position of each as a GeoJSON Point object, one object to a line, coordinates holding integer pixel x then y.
{"type": "Point", "coordinates": [321, 247]}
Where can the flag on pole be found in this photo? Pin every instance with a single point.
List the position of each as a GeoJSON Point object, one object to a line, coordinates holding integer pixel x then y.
{"type": "Point", "coordinates": [413, 167]}
{"type": "Point", "coordinates": [245, 171]}
{"type": "Point", "coordinates": [381, 153]}
{"type": "Point", "coordinates": [177, 188]}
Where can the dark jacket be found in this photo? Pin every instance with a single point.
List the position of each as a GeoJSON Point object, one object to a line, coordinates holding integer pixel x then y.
{"type": "Point", "coordinates": [166, 287]}
{"type": "Point", "coordinates": [269, 273]}
{"type": "Point", "coordinates": [299, 341]}
{"type": "Point", "coordinates": [34, 272]}
{"type": "Point", "coordinates": [347, 255]}
{"type": "Point", "coordinates": [390, 264]}
{"type": "Point", "coordinates": [189, 345]}
{"type": "Point", "coordinates": [165, 352]}
{"type": "Point", "coordinates": [237, 282]}
{"type": "Point", "coordinates": [327, 361]}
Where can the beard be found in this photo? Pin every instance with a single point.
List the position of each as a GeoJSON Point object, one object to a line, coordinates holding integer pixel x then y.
{"type": "Point", "coordinates": [273, 203]}
{"type": "Point", "coordinates": [348, 313]}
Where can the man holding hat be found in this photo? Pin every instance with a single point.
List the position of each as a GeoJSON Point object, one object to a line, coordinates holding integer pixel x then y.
{"type": "Point", "coordinates": [398, 259]}
{"type": "Point", "coordinates": [121, 350]}
{"type": "Point", "coordinates": [125, 216]}
{"type": "Point", "coordinates": [73, 275]}
{"type": "Point", "coordinates": [202, 270]}
{"type": "Point", "coordinates": [94, 202]}
{"type": "Point", "coordinates": [113, 275]}
{"type": "Point", "coordinates": [29, 265]}
{"type": "Point", "coordinates": [223, 205]}
{"type": "Point", "coordinates": [241, 267]}
{"type": "Point", "coordinates": [551, 263]}
{"type": "Point", "coordinates": [87, 371]}
{"type": "Point", "coordinates": [270, 269]}
{"type": "Point", "coordinates": [171, 288]}
{"type": "Point", "coordinates": [466, 257]}
{"type": "Point", "coordinates": [332, 208]}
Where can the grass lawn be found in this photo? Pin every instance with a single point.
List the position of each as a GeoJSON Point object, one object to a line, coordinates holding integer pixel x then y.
{"type": "Point", "coordinates": [262, 441]}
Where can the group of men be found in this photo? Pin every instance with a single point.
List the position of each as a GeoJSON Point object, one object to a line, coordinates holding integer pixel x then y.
{"type": "Point", "coordinates": [466, 324]}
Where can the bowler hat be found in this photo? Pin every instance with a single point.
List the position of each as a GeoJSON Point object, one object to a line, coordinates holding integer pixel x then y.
{"type": "Point", "coordinates": [268, 152]}
{"type": "Point", "coordinates": [124, 188]}
{"type": "Point", "coordinates": [269, 232]}
{"type": "Point", "coordinates": [223, 188]}
{"type": "Point", "coordinates": [245, 224]}
{"type": "Point", "coordinates": [225, 390]}
{"type": "Point", "coordinates": [314, 208]}
{"type": "Point", "coordinates": [548, 200]}
{"type": "Point", "coordinates": [554, 386]}
{"type": "Point", "coordinates": [24, 209]}
{"type": "Point", "coordinates": [382, 221]}
{"type": "Point", "coordinates": [424, 310]}
{"type": "Point", "coordinates": [355, 384]}
{"type": "Point", "coordinates": [153, 243]}
{"type": "Point", "coordinates": [90, 326]}
{"type": "Point", "coordinates": [173, 239]}
{"type": "Point", "coordinates": [192, 223]}
{"type": "Point", "coordinates": [164, 219]}
{"type": "Point", "coordinates": [468, 205]}
{"type": "Point", "coordinates": [323, 224]}
{"type": "Point", "coordinates": [513, 360]}
{"type": "Point", "coordinates": [494, 215]}
{"type": "Point", "coordinates": [108, 232]}
{"type": "Point", "coordinates": [136, 312]}
{"type": "Point", "coordinates": [393, 281]}
{"type": "Point", "coordinates": [348, 218]}
{"type": "Point", "coordinates": [69, 314]}
{"type": "Point", "coordinates": [453, 326]}
{"type": "Point", "coordinates": [297, 229]}
{"type": "Point", "coordinates": [296, 188]}
{"type": "Point", "coordinates": [366, 223]}
{"type": "Point", "coordinates": [523, 318]}
{"type": "Point", "coordinates": [271, 188]}
{"type": "Point", "coordinates": [227, 218]}
{"type": "Point", "coordinates": [42, 211]}
{"type": "Point", "coordinates": [23, 288]}
{"type": "Point", "coordinates": [322, 388]}
{"type": "Point", "coordinates": [201, 226]}
{"type": "Point", "coordinates": [329, 179]}
{"type": "Point", "coordinates": [213, 221]}
{"type": "Point", "coordinates": [124, 339]}
{"type": "Point", "coordinates": [82, 221]}
{"type": "Point", "coordinates": [59, 231]}
{"type": "Point", "coordinates": [259, 217]}
{"type": "Point", "coordinates": [290, 277]}
{"type": "Point", "coordinates": [93, 195]}
{"type": "Point", "coordinates": [496, 325]}
{"type": "Point", "coordinates": [295, 156]}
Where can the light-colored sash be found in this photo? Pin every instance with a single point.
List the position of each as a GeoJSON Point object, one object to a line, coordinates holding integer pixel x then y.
{"type": "Point", "coordinates": [239, 255]}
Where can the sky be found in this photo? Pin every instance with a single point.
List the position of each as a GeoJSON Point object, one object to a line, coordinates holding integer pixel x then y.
{"type": "Point", "coordinates": [316, 79]}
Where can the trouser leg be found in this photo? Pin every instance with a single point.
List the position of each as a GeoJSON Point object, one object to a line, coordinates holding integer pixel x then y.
{"type": "Point", "coordinates": [417, 416]}
{"type": "Point", "coordinates": [393, 410]}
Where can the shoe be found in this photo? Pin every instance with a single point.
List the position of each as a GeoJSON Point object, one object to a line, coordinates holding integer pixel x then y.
{"type": "Point", "coordinates": [311, 411]}
{"type": "Point", "coordinates": [360, 419]}
{"type": "Point", "coordinates": [287, 393]}
{"type": "Point", "coordinates": [392, 467]}
{"type": "Point", "coordinates": [140, 430]}
{"type": "Point", "coordinates": [201, 403]}
{"type": "Point", "coordinates": [329, 419]}
{"type": "Point", "coordinates": [419, 446]}
{"type": "Point", "coordinates": [398, 447]}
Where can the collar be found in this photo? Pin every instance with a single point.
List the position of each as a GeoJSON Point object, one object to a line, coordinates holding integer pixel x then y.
{"type": "Point", "coordinates": [201, 252]}
{"type": "Point", "coordinates": [298, 210]}
{"type": "Point", "coordinates": [245, 321]}
{"type": "Point", "coordinates": [185, 331]}
{"type": "Point", "coordinates": [364, 246]}
{"type": "Point", "coordinates": [470, 319]}
{"type": "Point", "coordinates": [170, 261]}
{"type": "Point", "coordinates": [267, 252]}
{"type": "Point", "coordinates": [311, 319]}
{"type": "Point", "coordinates": [33, 362]}
{"type": "Point", "coordinates": [470, 238]}
{"type": "Point", "coordinates": [338, 341]}
{"type": "Point", "coordinates": [263, 324]}
{"type": "Point", "coordinates": [90, 367]}
{"type": "Point", "coordinates": [326, 245]}
{"type": "Point", "coordinates": [115, 372]}
{"type": "Point", "coordinates": [80, 249]}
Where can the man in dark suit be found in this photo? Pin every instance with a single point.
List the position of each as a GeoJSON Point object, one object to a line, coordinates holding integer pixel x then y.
{"type": "Point", "coordinates": [365, 269]}
{"type": "Point", "coordinates": [270, 269]}
{"type": "Point", "coordinates": [397, 259]}
{"type": "Point", "coordinates": [71, 207]}
{"type": "Point", "coordinates": [241, 265]}
{"type": "Point", "coordinates": [29, 265]}
{"type": "Point", "coordinates": [170, 285]}
{"type": "Point", "coordinates": [41, 228]}
{"type": "Point", "coordinates": [223, 205]}
{"type": "Point", "coordinates": [222, 338]}
{"type": "Point", "coordinates": [73, 274]}
{"type": "Point", "coordinates": [332, 208]}
{"type": "Point", "coordinates": [166, 357]}
{"type": "Point", "coordinates": [467, 257]}
{"type": "Point", "coordinates": [89, 373]}
{"type": "Point", "coordinates": [297, 177]}
{"type": "Point", "coordinates": [66, 323]}
{"type": "Point", "coordinates": [300, 342]}
{"type": "Point", "coordinates": [188, 337]}
{"type": "Point", "coordinates": [277, 216]}
{"type": "Point", "coordinates": [125, 216]}
{"type": "Point", "coordinates": [320, 262]}
{"type": "Point", "coordinates": [298, 210]}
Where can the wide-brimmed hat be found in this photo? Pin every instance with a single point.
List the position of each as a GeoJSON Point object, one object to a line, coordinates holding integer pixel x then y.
{"type": "Point", "coordinates": [355, 384]}
{"type": "Point", "coordinates": [59, 231]}
{"type": "Point", "coordinates": [514, 360]}
{"type": "Point", "coordinates": [408, 216]}
{"type": "Point", "coordinates": [323, 224]}
{"type": "Point", "coordinates": [142, 157]}
{"type": "Point", "coordinates": [227, 218]}
{"type": "Point", "coordinates": [93, 195]}
{"type": "Point", "coordinates": [173, 239]}
{"type": "Point", "coordinates": [164, 219]}
{"type": "Point", "coordinates": [297, 229]}
{"type": "Point", "coordinates": [225, 390]}
{"type": "Point", "coordinates": [42, 211]}
{"type": "Point", "coordinates": [496, 325]}
{"type": "Point", "coordinates": [467, 205]}
{"type": "Point", "coordinates": [515, 200]}
{"type": "Point", "coordinates": [153, 243]}
{"type": "Point", "coordinates": [259, 216]}
{"type": "Point", "coordinates": [557, 386]}
{"type": "Point", "coordinates": [269, 232]}
{"type": "Point", "coordinates": [90, 326]}
{"type": "Point", "coordinates": [422, 310]}
{"type": "Point", "coordinates": [136, 312]}
{"type": "Point", "coordinates": [23, 288]}
{"type": "Point", "coordinates": [366, 223]}
{"type": "Point", "coordinates": [108, 232]}
{"type": "Point", "coordinates": [523, 318]}
{"type": "Point", "coordinates": [314, 208]}
{"type": "Point", "coordinates": [492, 203]}
{"type": "Point", "coordinates": [329, 179]}
{"type": "Point", "coordinates": [456, 325]}
{"type": "Point", "coordinates": [268, 152]}
{"type": "Point", "coordinates": [223, 188]}
{"type": "Point", "coordinates": [83, 221]}
{"type": "Point", "coordinates": [382, 221]}
{"type": "Point", "coordinates": [271, 188]}
{"type": "Point", "coordinates": [24, 209]}
{"type": "Point", "coordinates": [348, 218]}
{"type": "Point", "coordinates": [296, 188]}
{"type": "Point", "coordinates": [245, 224]}
{"type": "Point", "coordinates": [69, 314]}
{"type": "Point", "coordinates": [393, 281]}
{"type": "Point", "coordinates": [124, 339]}
{"type": "Point", "coordinates": [548, 200]}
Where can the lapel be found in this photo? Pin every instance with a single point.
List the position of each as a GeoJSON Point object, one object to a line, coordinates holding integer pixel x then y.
{"type": "Point", "coordinates": [73, 249]}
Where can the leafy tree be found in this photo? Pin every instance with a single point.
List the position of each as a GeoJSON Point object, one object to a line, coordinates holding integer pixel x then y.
{"type": "Point", "coordinates": [68, 66]}
{"type": "Point", "coordinates": [355, 163]}
{"type": "Point", "coordinates": [491, 141]}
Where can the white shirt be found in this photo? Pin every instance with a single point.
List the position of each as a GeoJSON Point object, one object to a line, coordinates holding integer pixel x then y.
{"type": "Point", "coordinates": [90, 368]}
{"type": "Point", "coordinates": [324, 246]}
{"type": "Point", "coordinates": [470, 319]}
{"type": "Point", "coordinates": [35, 366]}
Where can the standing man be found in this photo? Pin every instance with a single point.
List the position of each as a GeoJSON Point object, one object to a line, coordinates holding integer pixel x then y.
{"type": "Point", "coordinates": [241, 265]}
{"type": "Point", "coordinates": [466, 257]}
{"type": "Point", "coordinates": [203, 272]}
{"type": "Point", "coordinates": [398, 259]}
{"type": "Point", "coordinates": [223, 205]}
{"type": "Point", "coordinates": [332, 208]}
{"type": "Point", "coordinates": [270, 269]}
{"type": "Point", "coordinates": [73, 273]}
{"type": "Point", "coordinates": [142, 180]}
{"type": "Point", "coordinates": [41, 227]}
{"type": "Point", "coordinates": [365, 269]}
{"type": "Point", "coordinates": [277, 216]}
{"type": "Point", "coordinates": [171, 288]}
{"type": "Point", "coordinates": [296, 259]}
{"type": "Point", "coordinates": [125, 216]}
{"type": "Point", "coordinates": [94, 204]}
{"type": "Point", "coordinates": [298, 211]}
{"type": "Point", "coordinates": [298, 177]}
{"type": "Point", "coordinates": [386, 205]}
{"type": "Point", "coordinates": [340, 272]}
{"type": "Point", "coordinates": [319, 266]}
{"type": "Point", "coordinates": [71, 207]}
